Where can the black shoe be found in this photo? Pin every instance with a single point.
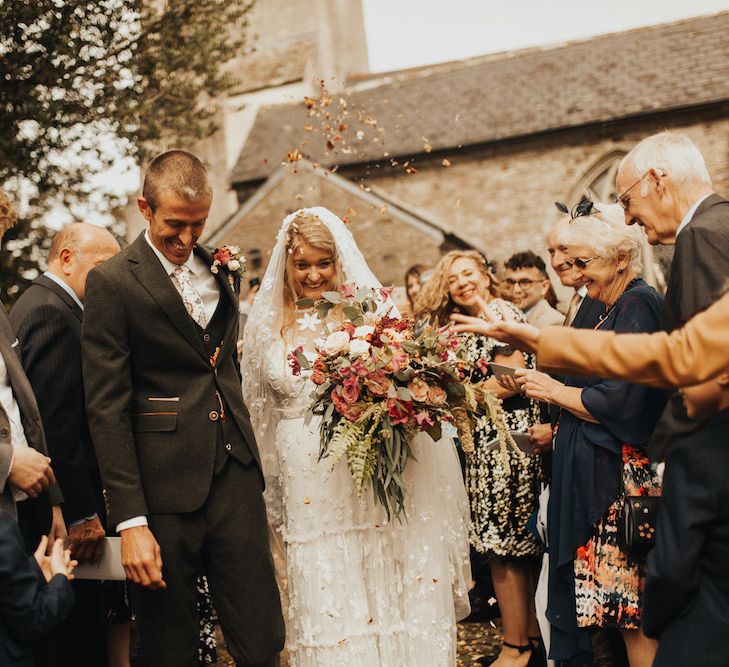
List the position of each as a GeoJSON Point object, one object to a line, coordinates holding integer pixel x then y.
{"type": "Point", "coordinates": [490, 659]}
{"type": "Point", "coordinates": [538, 658]}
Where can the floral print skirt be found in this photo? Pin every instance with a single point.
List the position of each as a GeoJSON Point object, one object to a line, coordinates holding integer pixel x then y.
{"type": "Point", "coordinates": [503, 497]}
{"type": "Point", "coordinates": [608, 582]}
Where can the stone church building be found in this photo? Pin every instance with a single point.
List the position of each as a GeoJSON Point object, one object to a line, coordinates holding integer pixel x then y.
{"type": "Point", "coordinates": [468, 153]}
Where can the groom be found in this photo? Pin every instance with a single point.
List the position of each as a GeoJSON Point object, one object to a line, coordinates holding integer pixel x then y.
{"type": "Point", "coordinates": [173, 437]}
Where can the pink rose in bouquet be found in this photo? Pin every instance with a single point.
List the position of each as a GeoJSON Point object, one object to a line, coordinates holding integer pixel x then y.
{"type": "Point", "coordinates": [378, 383]}
{"type": "Point", "coordinates": [351, 411]}
{"type": "Point", "coordinates": [437, 396]}
{"type": "Point", "coordinates": [400, 412]}
{"type": "Point", "coordinates": [423, 419]}
{"type": "Point", "coordinates": [351, 389]}
{"type": "Point", "coordinates": [319, 374]}
{"type": "Point", "coordinates": [359, 369]}
{"type": "Point", "coordinates": [418, 389]}
{"type": "Point", "coordinates": [348, 290]}
{"type": "Point", "coordinates": [398, 361]}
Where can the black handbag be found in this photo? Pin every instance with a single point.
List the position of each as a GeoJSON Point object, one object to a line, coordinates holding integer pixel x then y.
{"type": "Point", "coordinates": [642, 500]}
{"type": "Point", "coordinates": [637, 527]}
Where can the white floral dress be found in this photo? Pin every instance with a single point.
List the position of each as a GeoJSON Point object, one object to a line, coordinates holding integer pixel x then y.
{"type": "Point", "coordinates": [363, 592]}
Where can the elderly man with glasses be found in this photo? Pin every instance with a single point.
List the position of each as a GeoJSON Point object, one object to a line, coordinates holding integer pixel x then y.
{"type": "Point", "coordinates": [665, 188]}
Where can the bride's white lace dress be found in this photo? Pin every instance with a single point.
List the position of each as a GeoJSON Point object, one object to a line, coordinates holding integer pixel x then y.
{"type": "Point", "coordinates": [364, 592]}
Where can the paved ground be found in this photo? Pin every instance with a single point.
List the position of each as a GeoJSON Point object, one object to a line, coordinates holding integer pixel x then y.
{"type": "Point", "coordinates": [474, 641]}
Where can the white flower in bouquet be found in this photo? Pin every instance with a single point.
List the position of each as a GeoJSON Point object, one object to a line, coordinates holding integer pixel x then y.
{"type": "Point", "coordinates": [234, 265]}
{"type": "Point", "coordinates": [366, 330]}
{"type": "Point", "coordinates": [337, 341]}
{"type": "Point", "coordinates": [359, 347]}
{"type": "Point", "coordinates": [395, 335]}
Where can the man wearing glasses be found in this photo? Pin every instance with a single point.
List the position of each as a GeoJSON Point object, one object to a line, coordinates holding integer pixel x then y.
{"type": "Point", "coordinates": [528, 288]}
{"type": "Point", "coordinates": [665, 188]}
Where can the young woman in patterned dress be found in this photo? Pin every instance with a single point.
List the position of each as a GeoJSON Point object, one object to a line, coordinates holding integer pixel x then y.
{"type": "Point", "coordinates": [503, 486]}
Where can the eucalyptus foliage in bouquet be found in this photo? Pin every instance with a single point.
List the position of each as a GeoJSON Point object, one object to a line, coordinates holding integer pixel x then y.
{"type": "Point", "coordinates": [381, 379]}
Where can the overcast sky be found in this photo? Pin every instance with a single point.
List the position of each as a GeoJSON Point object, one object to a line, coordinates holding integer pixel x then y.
{"type": "Point", "coordinates": [408, 33]}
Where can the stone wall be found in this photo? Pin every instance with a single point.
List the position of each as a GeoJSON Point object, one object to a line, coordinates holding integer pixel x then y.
{"type": "Point", "coordinates": [501, 197]}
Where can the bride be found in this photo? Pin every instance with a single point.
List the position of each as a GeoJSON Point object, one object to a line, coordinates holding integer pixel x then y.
{"type": "Point", "coordinates": [362, 591]}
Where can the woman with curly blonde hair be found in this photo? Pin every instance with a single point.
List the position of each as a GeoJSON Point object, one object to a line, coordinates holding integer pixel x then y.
{"type": "Point", "coordinates": [503, 486]}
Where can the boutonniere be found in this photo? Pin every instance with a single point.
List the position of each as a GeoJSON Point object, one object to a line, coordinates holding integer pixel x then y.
{"type": "Point", "coordinates": [230, 258]}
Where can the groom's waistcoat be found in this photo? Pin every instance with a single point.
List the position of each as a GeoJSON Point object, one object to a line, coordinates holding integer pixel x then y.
{"type": "Point", "coordinates": [230, 441]}
{"type": "Point", "coordinates": [154, 399]}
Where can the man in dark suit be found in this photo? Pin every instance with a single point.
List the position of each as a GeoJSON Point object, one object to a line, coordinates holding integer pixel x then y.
{"type": "Point", "coordinates": [665, 188]}
{"type": "Point", "coordinates": [47, 320]}
{"type": "Point", "coordinates": [686, 597]}
{"type": "Point", "coordinates": [172, 434]}
{"type": "Point", "coordinates": [25, 470]}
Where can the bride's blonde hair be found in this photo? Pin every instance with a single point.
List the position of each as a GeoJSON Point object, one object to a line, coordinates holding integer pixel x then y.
{"type": "Point", "coordinates": [434, 301]}
{"type": "Point", "coordinates": [309, 230]}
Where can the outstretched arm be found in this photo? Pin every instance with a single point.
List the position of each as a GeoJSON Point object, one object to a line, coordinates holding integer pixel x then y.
{"type": "Point", "coordinates": [692, 354]}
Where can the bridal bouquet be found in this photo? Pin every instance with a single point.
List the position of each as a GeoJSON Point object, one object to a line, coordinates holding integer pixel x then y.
{"type": "Point", "coordinates": [380, 380]}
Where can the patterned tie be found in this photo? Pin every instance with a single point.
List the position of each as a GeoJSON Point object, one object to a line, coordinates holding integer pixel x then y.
{"type": "Point", "coordinates": [574, 306]}
{"type": "Point", "coordinates": [190, 296]}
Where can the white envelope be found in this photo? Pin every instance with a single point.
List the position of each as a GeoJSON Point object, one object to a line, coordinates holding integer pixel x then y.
{"type": "Point", "coordinates": [108, 568]}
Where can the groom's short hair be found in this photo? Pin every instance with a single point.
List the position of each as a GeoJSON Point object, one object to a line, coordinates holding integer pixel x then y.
{"type": "Point", "coordinates": [179, 173]}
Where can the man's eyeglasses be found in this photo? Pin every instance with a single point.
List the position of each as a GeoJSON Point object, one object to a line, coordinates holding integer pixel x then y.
{"type": "Point", "coordinates": [625, 203]}
{"type": "Point", "coordinates": [582, 263]}
{"type": "Point", "coordinates": [524, 283]}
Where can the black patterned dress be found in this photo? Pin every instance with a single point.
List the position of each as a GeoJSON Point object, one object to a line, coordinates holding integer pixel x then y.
{"type": "Point", "coordinates": [502, 497]}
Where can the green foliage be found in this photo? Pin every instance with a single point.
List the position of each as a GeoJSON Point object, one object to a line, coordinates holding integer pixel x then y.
{"type": "Point", "coordinates": [81, 76]}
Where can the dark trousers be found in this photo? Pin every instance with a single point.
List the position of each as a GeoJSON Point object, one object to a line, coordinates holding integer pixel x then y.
{"type": "Point", "coordinates": [226, 539]}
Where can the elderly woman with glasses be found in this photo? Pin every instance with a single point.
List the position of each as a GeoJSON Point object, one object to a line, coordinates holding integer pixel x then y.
{"type": "Point", "coordinates": [599, 452]}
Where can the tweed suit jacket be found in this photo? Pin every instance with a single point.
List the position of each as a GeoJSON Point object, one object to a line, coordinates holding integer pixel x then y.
{"type": "Point", "coordinates": [32, 424]}
{"type": "Point", "coordinates": [152, 395]}
{"type": "Point", "coordinates": [700, 266]}
{"type": "Point", "coordinates": [47, 322]}
{"type": "Point", "coordinates": [699, 270]}
{"type": "Point", "coordinates": [689, 355]}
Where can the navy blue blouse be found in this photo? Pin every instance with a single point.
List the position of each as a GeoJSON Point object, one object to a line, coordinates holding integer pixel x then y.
{"type": "Point", "coordinates": [587, 464]}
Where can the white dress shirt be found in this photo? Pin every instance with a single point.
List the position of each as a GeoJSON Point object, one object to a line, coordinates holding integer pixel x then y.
{"type": "Point", "coordinates": [206, 286]}
{"type": "Point", "coordinates": [690, 214]}
{"type": "Point", "coordinates": [201, 278]}
{"type": "Point", "coordinates": [10, 405]}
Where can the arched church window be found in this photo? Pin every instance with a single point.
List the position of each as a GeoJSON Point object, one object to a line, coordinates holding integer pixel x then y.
{"type": "Point", "coordinates": [599, 180]}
